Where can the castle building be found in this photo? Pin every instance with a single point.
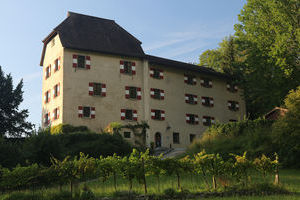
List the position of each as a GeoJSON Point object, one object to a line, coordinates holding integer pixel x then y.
{"type": "Point", "coordinates": [95, 73]}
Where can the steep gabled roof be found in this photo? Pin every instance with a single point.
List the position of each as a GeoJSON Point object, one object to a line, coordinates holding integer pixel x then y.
{"type": "Point", "coordinates": [88, 33]}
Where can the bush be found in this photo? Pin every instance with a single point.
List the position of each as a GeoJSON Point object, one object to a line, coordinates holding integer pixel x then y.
{"type": "Point", "coordinates": [39, 148]}
{"type": "Point", "coordinates": [64, 195]}
{"type": "Point", "coordinates": [87, 195]}
{"type": "Point", "coordinates": [23, 196]}
{"type": "Point", "coordinates": [253, 136]}
{"type": "Point", "coordinates": [67, 128]}
{"type": "Point", "coordinates": [286, 131]}
{"type": "Point", "coordinates": [170, 192]}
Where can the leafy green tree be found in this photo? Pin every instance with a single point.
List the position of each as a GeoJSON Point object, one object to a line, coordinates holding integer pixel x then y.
{"type": "Point", "coordinates": [286, 131]}
{"type": "Point", "coordinates": [12, 120]}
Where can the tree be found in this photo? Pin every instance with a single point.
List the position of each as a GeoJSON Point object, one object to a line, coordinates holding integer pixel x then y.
{"type": "Point", "coordinates": [286, 131]}
{"type": "Point", "coordinates": [12, 120]}
{"type": "Point", "coordinates": [263, 55]}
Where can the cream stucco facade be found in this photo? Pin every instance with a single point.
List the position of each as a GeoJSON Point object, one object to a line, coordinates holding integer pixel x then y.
{"type": "Point", "coordinates": [104, 44]}
{"type": "Point", "coordinates": [74, 87]}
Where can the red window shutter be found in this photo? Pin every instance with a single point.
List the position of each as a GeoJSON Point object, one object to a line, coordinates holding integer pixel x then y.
{"type": "Point", "coordinates": [57, 113]}
{"type": "Point", "coordinates": [59, 63]}
{"type": "Point", "coordinates": [195, 99]}
{"type": "Point", "coordinates": [58, 89]}
{"type": "Point", "coordinates": [49, 118]}
{"type": "Point", "coordinates": [152, 114]}
{"type": "Point", "coordinates": [212, 120]}
{"type": "Point", "coordinates": [93, 112]}
{"type": "Point", "coordinates": [210, 83]}
{"type": "Point", "coordinates": [139, 93]}
{"type": "Point", "coordinates": [45, 97]}
{"type": "Point", "coordinates": [53, 114]}
{"type": "Point", "coordinates": [121, 66]}
{"type": "Point", "coordinates": [54, 88]}
{"type": "Point", "coordinates": [133, 68]}
{"type": "Point", "coordinates": [135, 117]}
{"type": "Point", "coordinates": [91, 89]}
{"type": "Point", "coordinates": [80, 111]}
{"type": "Point", "coordinates": [123, 114]}
{"type": "Point", "coordinates": [88, 62]}
{"type": "Point", "coordinates": [187, 118]}
{"type": "Point", "coordinates": [211, 102]}
{"type": "Point", "coordinates": [127, 96]}
{"type": "Point", "coordinates": [103, 90]}
{"type": "Point", "coordinates": [196, 119]}
{"type": "Point", "coordinates": [162, 115]}
{"type": "Point", "coordinates": [161, 74]}
{"type": "Point", "coordinates": [74, 60]}
{"type": "Point", "coordinates": [194, 81]}
{"type": "Point", "coordinates": [49, 95]}
{"type": "Point", "coordinates": [151, 72]}
{"type": "Point", "coordinates": [162, 94]}
{"type": "Point", "coordinates": [152, 92]}
{"type": "Point", "coordinates": [229, 104]}
{"type": "Point", "coordinates": [186, 98]}
{"type": "Point", "coordinates": [49, 70]}
{"type": "Point", "coordinates": [185, 78]}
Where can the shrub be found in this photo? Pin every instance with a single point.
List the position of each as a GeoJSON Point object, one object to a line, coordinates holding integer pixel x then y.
{"type": "Point", "coordinates": [67, 128]}
{"type": "Point", "coordinates": [286, 131]}
{"type": "Point", "coordinates": [253, 136]}
{"type": "Point", "coordinates": [23, 196]}
{"type": "Point", "coordinates": [87, 195]}
{"type": "Point", "coordinates": [63, 195]}
{"type": "Point", "coordinates": [170, 192]}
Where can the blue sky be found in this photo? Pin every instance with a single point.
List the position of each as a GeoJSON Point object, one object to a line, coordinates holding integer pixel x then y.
{"type": "Point", "coordinates": [179, 30]}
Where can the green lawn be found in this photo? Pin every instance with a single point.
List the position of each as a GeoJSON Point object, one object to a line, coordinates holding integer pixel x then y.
{"type": "Point", "coordinates": [289, 178]}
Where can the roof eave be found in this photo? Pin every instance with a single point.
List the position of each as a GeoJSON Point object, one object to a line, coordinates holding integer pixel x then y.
{"type": "Point", "coordinates": [45, 41]}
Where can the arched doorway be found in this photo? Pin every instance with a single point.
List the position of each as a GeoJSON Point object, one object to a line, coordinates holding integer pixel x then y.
{"type": "Point", "coordinates": [157, 139]}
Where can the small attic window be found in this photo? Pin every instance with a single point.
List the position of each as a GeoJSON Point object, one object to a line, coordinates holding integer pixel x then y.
{"type": "Point", "coordinates": [52, 42]}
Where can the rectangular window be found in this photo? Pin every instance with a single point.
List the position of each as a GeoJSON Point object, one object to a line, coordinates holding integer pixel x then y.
{"type": "Point", "coordinates": [56, 90]}
{"type": "Point", "coordinates": [192, 119]}
{"type": "Point", "coordinates": [176, 138]}
{"type": "Point", "coordinates": [129, 114]}
{"type": "Point", "coordinates": [191, 99]}
{"type": "Point", "coordinates": [87, 112]}
{"type": "Point", "coordinates": [132, 92]}
{"type": "Point", "coordinates": [208, 121]}
{"type": "Point", "coordinates": [208, 101]}
{"type": "Point", "coordinates": [127, 134]}
{"type": "Point", "coordinates": [157, 93]}
{"type": "Point", "coordinates": [190, 79]}
{"type": "Point", "coordinates": [81, 61]}
{"type": "Point", "coordinates": [127, 67]}
{"type": "Point", "coordinates": [48, 72]}
{"type": "Point", "coordinates": [47, 96]}
{"type": "Point", "coordinates": [233, 105]}
{"type": "Point", "coordinates": [47, 119]}
{"type": "Point", "coordinates": [55, 114]}
{"type": "Point", "coordinates": [232, 87]}
{"type": "Point", "coordinates": [97, 89]}
{"type": "Point", "coordinates": [156, 73]}
{"type": "Point", "coordinates": [157, 114]}
{"type": "Point", "coordinates": [56, 65]}
{"type": "Point", "coordinates": [206, 82]}
{"type": "Point", "coordinates": [192, 137]}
